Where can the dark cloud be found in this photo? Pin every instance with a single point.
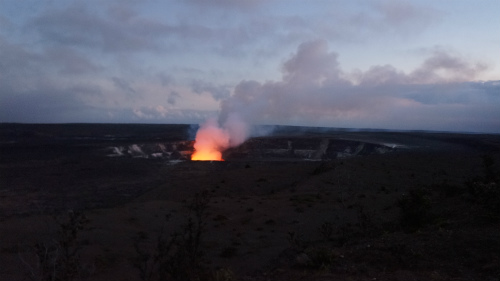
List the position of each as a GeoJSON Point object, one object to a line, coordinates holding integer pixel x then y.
{"type": "Point", "coordinates": [403, 12]}
{"type": "Point", "coordinates": [172, 97]}
{"type": "Point", "coordinates": [30, 93]}
{"type": "Point", "coordinates": [166, 79]}
{"type": "Point", "coordinates": [18, 66]}
{"type": "Point", "coordinates": [47, 105]}
{"type": "Point", "coordinates": [125, 88]}
{"type": "Point", "coordinates": [122, 27]}
{"type": "Point", "coordinates": [384, 19]}
{"type": "Point", "coordinates": [158, 114]}
{"type": "Point", "coordinates": [5, 24]}
{"type": "Point", "coordinates": [71, 61]}
{"type": "Point", "coordinates": [218, 92]}
{"type": "Point", "coordinates": [224, 4]}
{"type": "Point", "coordinates": [78, 26]}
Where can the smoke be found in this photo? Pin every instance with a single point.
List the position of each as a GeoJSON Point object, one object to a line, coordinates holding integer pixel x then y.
{"type": "Point", "coordinates": [237, 129]}
{"type": "Point", "coordinates": [211, 140]}
{"type": "Point", "coordinates": [313, 87]}
{"type": "Point", "coordinates": [443, 66]}
{"type": "Point", "coordinates": [315, 90]}
{"type": "Point", "coordinates": [192, 131]}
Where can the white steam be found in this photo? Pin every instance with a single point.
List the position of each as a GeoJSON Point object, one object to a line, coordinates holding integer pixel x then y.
{"type": "Point", "coordinates": [314, 90]}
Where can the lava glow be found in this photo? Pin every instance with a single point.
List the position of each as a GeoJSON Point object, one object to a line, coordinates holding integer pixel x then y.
{"type": "Point", "coordinates": [207, 155]}
{"type": "Point", "coordinates": [210, 141]}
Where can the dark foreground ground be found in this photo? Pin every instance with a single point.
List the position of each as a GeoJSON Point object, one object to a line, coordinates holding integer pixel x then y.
{"type": "Point", "coordinates": [363, 206]}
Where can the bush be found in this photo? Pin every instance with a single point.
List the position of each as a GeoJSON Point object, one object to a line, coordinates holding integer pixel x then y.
{"type": "Point", "coordinates": [485, 190]}
{"type": "Point", "coordinates": [326, 230]}
{"type": "Point", "coordinates": [177, 256]}
{"type": "Point", "coordinates": [324, 167]}
{"type": "Point", "coordinates": [321, 257]}
{"type": "Point", "coordinates": [447, 190]}
{"type": "Point", "coordinates": [414, 209]}
{"type": "Point", "coordinates": [488, 169]}
{"type": "Point", "coordinates": [223, 274]}
{"type": "Point", "coordinates": [487, 196]}
{"type": "Point", "coordinates": [228, 252]}
{"type": "Point", "coordinates": [59, 259]}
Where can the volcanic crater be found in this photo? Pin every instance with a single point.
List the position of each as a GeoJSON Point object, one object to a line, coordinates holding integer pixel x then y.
{"type": "Point", "coordinates": [300, 204]}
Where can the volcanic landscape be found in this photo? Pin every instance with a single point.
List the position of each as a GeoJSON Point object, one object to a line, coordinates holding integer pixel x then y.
{"type": "Point", "coordinates": [103, 202]}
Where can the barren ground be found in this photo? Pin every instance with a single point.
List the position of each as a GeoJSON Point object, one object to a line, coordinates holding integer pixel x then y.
{"type": "Point", "coordinates": [426, 213]}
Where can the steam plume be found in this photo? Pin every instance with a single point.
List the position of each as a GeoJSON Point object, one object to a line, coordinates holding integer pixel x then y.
{"type": "Point", "coordinates": [212, 139]}
{"type": "Point", "coordinates": [315, 90]}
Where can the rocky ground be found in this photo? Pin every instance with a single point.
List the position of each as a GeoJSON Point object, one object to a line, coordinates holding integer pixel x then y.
{"type": "Point", "coordinates": [428, 211]}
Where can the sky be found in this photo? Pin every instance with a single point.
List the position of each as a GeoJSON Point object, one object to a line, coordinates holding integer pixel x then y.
{"type": "Point", "coordinates": [380, 64]}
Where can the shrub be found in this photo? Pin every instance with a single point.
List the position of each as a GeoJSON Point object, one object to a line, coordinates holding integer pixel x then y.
{"type": "Point", "coordinates": [177, 256]}
{"type": "Point", "coordinates": [59, 259]}
{"type": "Point", "coordinates": [323, 167]}
{"type": "Point", "coordinates": [228, 252]}
{"type": "Point", "coordinates": [321, 257]}
{"type": "Point", "coordinates": [485, 190]}
{"type": "Point", "coordinates": [488, 169]}
{"type": "Point", "coordinates": [326, 230]}
{"type": "Point", "coordinates": [296, 241]}
{"type": "Point", "coordinates": [487, 196]}
{"type": "Point", "coordinates": [224, 274]}
{"type": "Point", "coordinates": [414, 209]}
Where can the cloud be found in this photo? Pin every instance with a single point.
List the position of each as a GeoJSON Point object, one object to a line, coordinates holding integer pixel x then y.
{"type": "Point", "coordinates": [315, 91]}
{"type": "Point", "coordinates": [404, 19]}
{"type": "Point", "coordinates": [222, 28]}
{"type": "Point", "coordinates": [125, 88]}
{"type": "Point", "coordinates": [166, 79]}
{"type": "Point", "coordinates": [122, 29]}
{"type": "Point", "coordinates": [397, 13]}
{"type": "Point", "coordinates": [60, 84]}
{"type": "Point", "coordinates": [379, 74]}
{"type": "Point", "coordinates": [311, 87]}
{"type": "Point", "coordinates": [218, 92]}
{"type": "Point", "coordinates": [224, 4]}
{"type": "Point", "coordinates": [132, 61]}
{"type": "Point", "coordinates": [17, 66]}
{"type": "Point", "coordinates": [71, 61]}
{"type": "Point", "coordinates": [443, 65]}
{"type": "Point", "coordinates": [311, 64]}
{"type": "Point", "coordinates": [160, 114]}
{"type": "Point", "coordinates": [172, 97]}
{"type": "Point", "coordinates": [29, 92]}
{"type": "Point", "coordinates": [47, 105]}
{"type": "Point", "coordinates": [5, 24]}
{"type": "Point", "coordinates": [76, 25]}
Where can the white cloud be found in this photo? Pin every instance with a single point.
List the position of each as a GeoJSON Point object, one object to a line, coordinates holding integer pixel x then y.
{"type": "Point", "coordinates": [314, 90]}
{"type": "Point", "coordinates": [64, 61]}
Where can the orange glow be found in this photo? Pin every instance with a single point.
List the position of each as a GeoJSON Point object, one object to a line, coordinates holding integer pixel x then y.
{"type": "Point", "coordinates": [210, 141]}
{"type": "Point", "coordinates": [206, 155]}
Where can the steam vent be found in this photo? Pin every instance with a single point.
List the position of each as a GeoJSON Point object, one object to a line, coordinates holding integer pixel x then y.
{"type": "Point", "coordinates": [263, 149]}
{"type": "Point", "coordinates": [300, 148]}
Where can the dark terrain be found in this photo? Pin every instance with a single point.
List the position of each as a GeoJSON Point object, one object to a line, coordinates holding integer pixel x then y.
{"type": "Point", "coordinates": [101, 202]}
